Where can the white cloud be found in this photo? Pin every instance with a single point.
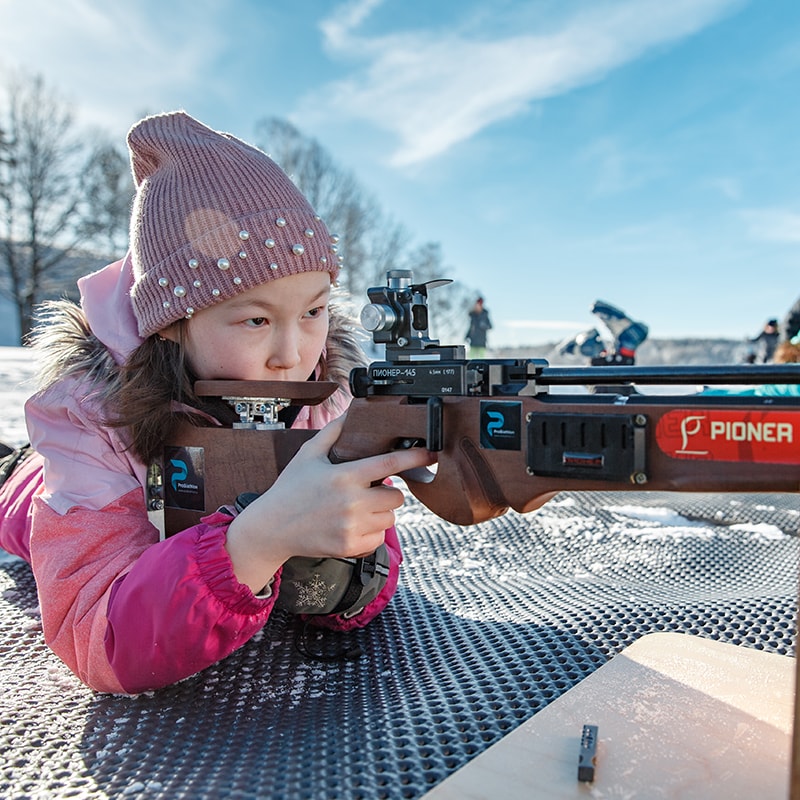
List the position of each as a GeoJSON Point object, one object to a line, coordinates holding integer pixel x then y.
{"type": "Point", "coordinates": [115, 58]}
{"type": "Point", "coordinates": [434, 90]}
{"type": "Point", "coordinates": [773, 224]}
{"type": "Point", "coordinates": [338, 27]}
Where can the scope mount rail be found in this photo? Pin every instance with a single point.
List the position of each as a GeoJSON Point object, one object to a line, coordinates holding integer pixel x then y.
{"type": "Point", "coordinates": [434, 377]}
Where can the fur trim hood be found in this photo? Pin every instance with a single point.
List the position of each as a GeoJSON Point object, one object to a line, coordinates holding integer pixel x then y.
{"type": "Point", "coordinates": [92, 340]}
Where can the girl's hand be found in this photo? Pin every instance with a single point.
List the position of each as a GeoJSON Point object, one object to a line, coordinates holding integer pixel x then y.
{"type": "Point", "coordinates": [319, 509]}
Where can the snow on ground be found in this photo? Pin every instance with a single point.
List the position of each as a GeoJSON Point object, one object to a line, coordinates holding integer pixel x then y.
{"type": "Point", "coordinates": [16, 384]}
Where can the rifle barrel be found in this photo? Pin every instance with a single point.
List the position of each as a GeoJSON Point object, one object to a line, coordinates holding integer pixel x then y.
{"type": "Point", "coordinates": [748, 374]}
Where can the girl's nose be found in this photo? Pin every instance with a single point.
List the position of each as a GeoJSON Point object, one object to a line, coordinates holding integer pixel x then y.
{"type": "Point", "coordinates": [284, 352]}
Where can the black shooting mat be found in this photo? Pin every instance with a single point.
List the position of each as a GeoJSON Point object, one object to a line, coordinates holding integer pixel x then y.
{"type": "Point", "coordinates": [491, 622]}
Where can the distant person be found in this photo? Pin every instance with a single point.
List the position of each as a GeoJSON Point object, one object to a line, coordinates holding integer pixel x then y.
{"type": "Point", "coordinates": [479, 325]}
{"type": "Point", "coordinates": [587, 343]}
{"type": "Point", "coordinates": [768, 339]}
{"type": "Point", "coordinates": [785, 353]}
{"type": "Point", "coordinates": [628, 335]}
{"type": "Point", "coordinates": [229, 276]}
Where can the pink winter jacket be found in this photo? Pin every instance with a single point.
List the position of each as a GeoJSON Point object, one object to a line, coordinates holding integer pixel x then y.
{"type": "Point", "coordinates": [126, 612]}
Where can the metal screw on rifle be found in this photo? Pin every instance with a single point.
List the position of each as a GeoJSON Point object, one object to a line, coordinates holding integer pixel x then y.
{"type": "Point", "coordinates": [639, 478]}
{"type": "Point", "coordinates": [156, 504]}
{"type": "Point", "coordinates": [402, 341]}
{"type": "Point", "coordinates": [640, 420]}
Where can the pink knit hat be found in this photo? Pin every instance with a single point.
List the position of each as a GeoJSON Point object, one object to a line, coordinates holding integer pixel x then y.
{"type": "Point", "coordinates": [213, 216]}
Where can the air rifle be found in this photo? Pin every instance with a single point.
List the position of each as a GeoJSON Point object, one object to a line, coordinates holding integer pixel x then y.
{"type": "Point", "coordinates": [508, 433]}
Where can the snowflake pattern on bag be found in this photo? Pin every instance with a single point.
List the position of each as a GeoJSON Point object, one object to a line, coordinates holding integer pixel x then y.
{"type": "Point", "coordinates": [313, 593]}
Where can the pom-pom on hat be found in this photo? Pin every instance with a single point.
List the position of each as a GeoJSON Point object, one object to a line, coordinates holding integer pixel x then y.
{"type": "Point", "coordinates": [213, 216]}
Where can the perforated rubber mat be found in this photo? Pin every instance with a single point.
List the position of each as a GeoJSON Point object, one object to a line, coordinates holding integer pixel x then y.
{"type": "Point", "coordinates": [491, 623]}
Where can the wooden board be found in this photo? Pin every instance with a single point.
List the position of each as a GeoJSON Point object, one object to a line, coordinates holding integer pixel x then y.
{"type": "Point", "coordinates": [678, 716]}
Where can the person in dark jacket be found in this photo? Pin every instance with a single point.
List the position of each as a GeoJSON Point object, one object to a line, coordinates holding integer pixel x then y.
{"type": "Point", "coordinates": [768, 339]}
{"type": "Point", "coordinates": [479, 325]}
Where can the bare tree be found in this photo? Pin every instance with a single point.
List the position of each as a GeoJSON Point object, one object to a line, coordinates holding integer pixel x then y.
{"type": "Point", "coordinates": [334, 193]}
{"type": "Point", "coordinates": [5, 160]}
{"type": "Point", "coordinates": [371, 243]}
{"type": "Point", "coordinates": [43, 181]}
{"type": "Point", "coordinates": [107, 187]}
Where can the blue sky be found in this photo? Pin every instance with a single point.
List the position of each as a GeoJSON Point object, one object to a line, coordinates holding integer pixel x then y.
{"type": "Point", "coordinates": [643, 152]}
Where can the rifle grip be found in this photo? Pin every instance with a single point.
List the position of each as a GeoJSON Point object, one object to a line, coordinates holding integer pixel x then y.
{"type": "Point", "coordinates": [464, 489]}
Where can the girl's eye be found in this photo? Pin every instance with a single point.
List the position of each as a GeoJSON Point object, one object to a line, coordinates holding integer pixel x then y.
{"type": "Point", "coordinates": [315, 312]}
{"type": "Point", "coordinates": [257, 322]}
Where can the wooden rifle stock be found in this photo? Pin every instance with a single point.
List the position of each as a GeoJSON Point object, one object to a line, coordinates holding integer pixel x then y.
{"type": "Point", "coordinates": [512, 449]}
{"type": "Point", "coordinates": [579, 443]}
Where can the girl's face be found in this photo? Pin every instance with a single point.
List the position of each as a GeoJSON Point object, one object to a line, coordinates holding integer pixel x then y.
{"type": "Point", "coordinates": [272, 332]}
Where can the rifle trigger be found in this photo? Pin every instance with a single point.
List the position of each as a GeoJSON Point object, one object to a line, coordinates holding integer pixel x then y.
{"type": "Point", "coordinates": [434, 431]}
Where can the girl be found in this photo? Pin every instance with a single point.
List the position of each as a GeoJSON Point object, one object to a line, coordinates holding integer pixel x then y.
{"type": "Point", "coordinates": [228, 277]}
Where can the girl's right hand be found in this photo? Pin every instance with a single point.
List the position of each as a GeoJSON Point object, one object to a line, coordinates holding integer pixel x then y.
{"type": "Point", "coordinates": [319, 509]}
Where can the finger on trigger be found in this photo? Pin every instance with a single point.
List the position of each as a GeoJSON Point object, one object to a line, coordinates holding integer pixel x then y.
{"type": "Point", "coordinates": [396, 462]}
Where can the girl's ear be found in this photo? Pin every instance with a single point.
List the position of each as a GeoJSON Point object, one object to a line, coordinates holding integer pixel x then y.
{"type": "Point", "coordinates": [171, 332]}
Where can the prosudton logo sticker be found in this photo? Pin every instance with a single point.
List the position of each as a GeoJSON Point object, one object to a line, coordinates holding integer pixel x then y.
{"type": "Point", "coordinates": [757, 437]}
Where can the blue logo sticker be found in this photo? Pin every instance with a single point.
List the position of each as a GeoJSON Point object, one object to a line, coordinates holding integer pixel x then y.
{"type": "Point", "coordinates": [500, 425]}
{"type": "Point", "coordinates": [180, 473]}
{"type": "Point", "coordinates": [184, 473]}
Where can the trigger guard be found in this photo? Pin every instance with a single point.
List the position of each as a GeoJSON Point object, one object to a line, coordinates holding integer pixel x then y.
{"type": "Point", "coordinates": [418, 475]}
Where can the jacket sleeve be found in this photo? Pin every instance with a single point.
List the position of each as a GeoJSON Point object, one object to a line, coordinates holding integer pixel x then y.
{"type": "Point", "coordinates": [128, 613]}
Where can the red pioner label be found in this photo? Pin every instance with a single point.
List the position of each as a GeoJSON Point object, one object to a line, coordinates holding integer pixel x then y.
{"type": "Point", "coordinates": [760, 437]}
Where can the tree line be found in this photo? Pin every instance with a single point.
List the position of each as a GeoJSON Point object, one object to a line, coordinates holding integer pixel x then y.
{"type": "Point", "coordinates": [66, 195]}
